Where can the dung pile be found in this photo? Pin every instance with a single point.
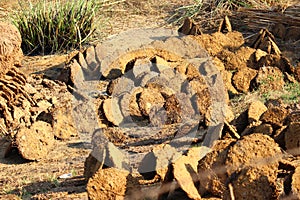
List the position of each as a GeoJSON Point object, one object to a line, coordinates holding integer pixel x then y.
{"type": "Point", "coordinates": [142, 97]}
{"type": "Point", "coordinates": [260, 165]}
{"type": "Point", "coordinates": [155, 108]}
{"type": "Point", "coordinates": [148, 91]}
{"type": "Point", "coordinates": [32, 112]}
{"type": "Point", "coordinates": [259, 66]}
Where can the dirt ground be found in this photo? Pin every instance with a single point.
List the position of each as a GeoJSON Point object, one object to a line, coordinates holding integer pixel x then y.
{"type": "Point", "coordinates": [41, 179]}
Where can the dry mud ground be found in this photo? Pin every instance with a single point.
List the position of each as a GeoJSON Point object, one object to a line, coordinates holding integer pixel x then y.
{"type": "Point", "coordinates": [40, 180]}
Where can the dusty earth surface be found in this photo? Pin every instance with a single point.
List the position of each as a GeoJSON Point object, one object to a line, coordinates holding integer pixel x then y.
{"type": "Point", "coordinates": [256, 158]}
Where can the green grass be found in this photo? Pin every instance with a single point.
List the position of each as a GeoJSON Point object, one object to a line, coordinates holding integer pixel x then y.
{"type": "Point", "coordinates": [24, 194]}
{"type": "Point", "coordinates": [292, 94]}
{"type": "Point", "coordinates": [53, 179]}
{"type": "Point", "coordinates": [74, 172]}
{"type": "Point", "coordinates": [49, 27]}
{"type": "Point", "coordinates": [289, 95]}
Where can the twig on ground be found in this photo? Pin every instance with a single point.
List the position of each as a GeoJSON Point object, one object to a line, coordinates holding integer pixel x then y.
{"type": "Point", "coordinates": [231, 191]}
{"type": "Point", "coordinates": [232, 131]}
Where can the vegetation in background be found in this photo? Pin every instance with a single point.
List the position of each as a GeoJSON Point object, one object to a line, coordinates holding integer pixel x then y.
{"type": "Point", "coordinates": [49, 27]}
{"type": "Point", "coordinates": [210, 8]}
{"type": "Point", "coordinates": [292, 94]}
{"type": "Point", "coordinates": [289, 95]}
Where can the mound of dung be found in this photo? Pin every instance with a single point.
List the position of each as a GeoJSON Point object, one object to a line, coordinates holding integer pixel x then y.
{"type": "Point", "coordinates": [249, 165]}
{"type": "Point", "coordinates": [31, 107]}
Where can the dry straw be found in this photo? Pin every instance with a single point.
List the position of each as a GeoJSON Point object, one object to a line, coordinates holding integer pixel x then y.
{"type": "Point", "coordinates": [206, 11]}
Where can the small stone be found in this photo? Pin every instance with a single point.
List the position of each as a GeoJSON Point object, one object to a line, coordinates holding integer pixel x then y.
{"type": "Point", "coordinates": [76, 75]}
{"type": "Point", "coordinates": [192, 72]}
{"type": "Point", "coordinates": [194, 86]}
{"type": "Point", "coordinates": [112, 111]}
{"type": "Point", "coordinates": [266, 129]}
{"type": "Point", "coordinates": [158, 116]}
{"type": "Point", "coordinates": [229, 115]}
{"type": "Point", "coordinates": [242, 79]}
{"type": "Point", "coordinates": [148, 99]}
{"type": "Point", "coordinates": [129, 105]}
{"type": "Point", "coordinates": [292, 138]}
{"type": "Point", "coordinates": [161, 64]}
{"type": "Point", "coordinates": [115, 157]}
{"type": "Point", "coordinates": [91, 58]}
{"type": "Point", "coordinates": [110, 184]}
{"type": "Point", "coordinates": [44, 104]}
{"type": "Point", "coordinates": [92, 165]}
{"type": "Point", "coordinates": [36, 142]}
{"type": "Point", "coordinates": [186, 175]}
{"type": "Point", "coordinates": [256, 109]}
{"type": "Point", "coordinates": [275, 116]}
{"type": "Point", "coordinates": [104, 153]}
{"type": "Point", "coordinates": [259, 54]}
{"type": "Point", "coordinates": [218, 63]}
{"type": "Point", "coordinates": [85, 118]}
{"type": "Point", "coordinates": [18, 114]}
{"type": "Point", "coordinates": [157, 161]}
{"type": "Point", "coordinates": [195, 154]}
{"type": "Point", "coordinates": [120, 86]}
{"type": "Point", "coordinates": [82, 61]}
{"type": "Point", "coordinates": [63, 123]}
{"type": "Point", "coordinates": [227, 79]}
{"type": "Point", "coordinates": [141, 66]}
